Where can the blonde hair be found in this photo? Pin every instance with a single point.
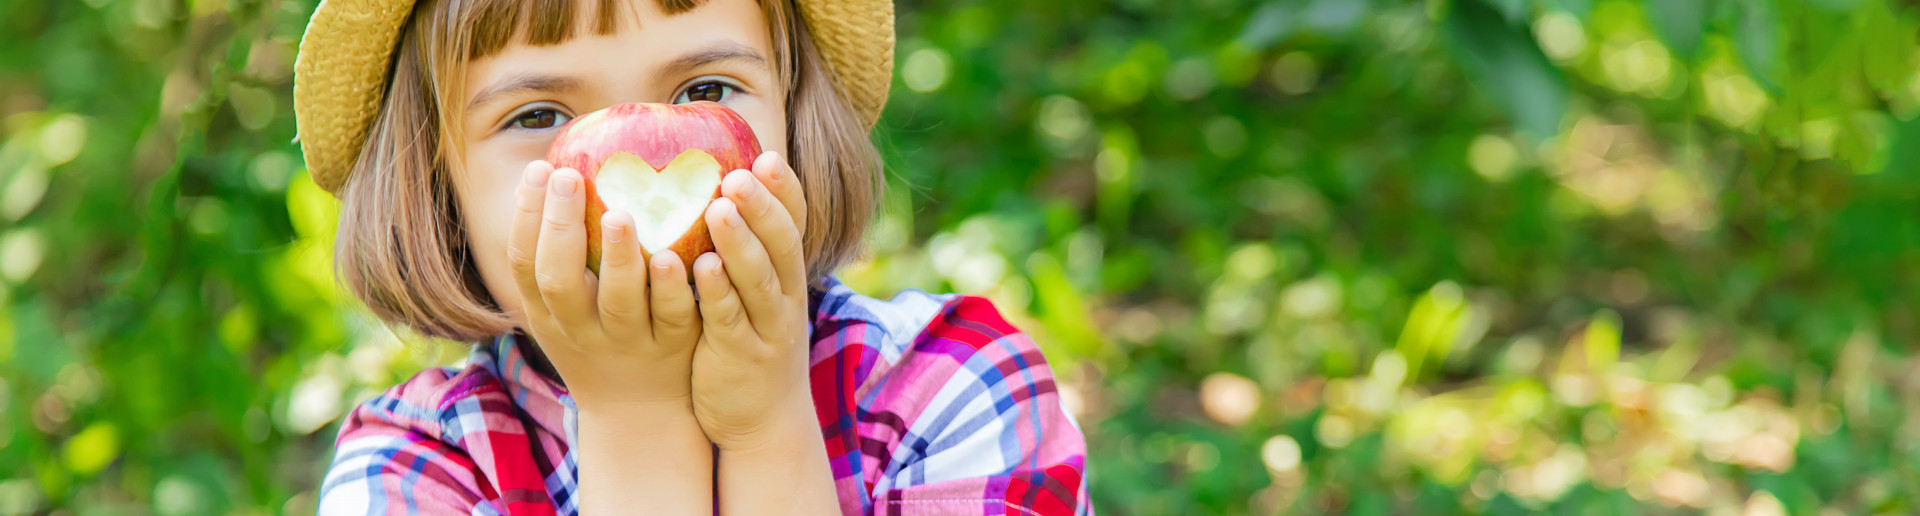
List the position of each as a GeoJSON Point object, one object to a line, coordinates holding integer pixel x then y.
{"type": "Point", "coordinates": [402, 248]}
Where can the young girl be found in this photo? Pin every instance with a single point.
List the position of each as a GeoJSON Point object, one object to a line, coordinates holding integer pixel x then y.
{"type": "Point", "coordinates": [777, 391]}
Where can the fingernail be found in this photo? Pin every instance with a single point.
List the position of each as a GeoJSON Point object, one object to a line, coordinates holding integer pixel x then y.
{"type": "Point", "coordinates": [743, 186]}
{"type": "Point", "coordinates": [733, 217]}
{"type": "Point", "coordinates": [565, 186]}
{"type": "Point", "coordinates": [772, 169]}
{"type": "Point", "coordinates": [614, 234]}
{"type": "Point", "coordinates": [661, 263]}
{"type": "Point", "coordinates": [715, 274]}
{"type": "Point", "coordinates": [536, 178]}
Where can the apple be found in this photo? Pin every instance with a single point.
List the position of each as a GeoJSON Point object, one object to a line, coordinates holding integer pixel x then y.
{"type": "Point", "coordinates": [660, 163]}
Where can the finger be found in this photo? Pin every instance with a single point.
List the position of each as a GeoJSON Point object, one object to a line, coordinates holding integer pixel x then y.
{"type": "Point", "coordinates": [773, 170]}
{"type": "Point", "coordinates": [623, 278]}
{"type": "Point", "coordinates": [560, 262]}
{"type": "Point", "coordinates": [723, 320]}
{"type": "Point", "coordinates": [765, 217]}
{"type": "Point", "coordinates": [675, 320]}
{"type": "Point", "coordinates": [524, 236]}
{"type": "Point", "coordinates": [747, 265]}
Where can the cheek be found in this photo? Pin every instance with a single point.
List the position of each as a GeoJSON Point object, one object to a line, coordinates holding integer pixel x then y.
{"type": "Point", "coordinates": [487, 196]}
{"type": "Point", "coordinates": [768, 118]}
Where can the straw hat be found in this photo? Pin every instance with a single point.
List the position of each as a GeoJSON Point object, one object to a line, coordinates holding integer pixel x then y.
{"type": "Point", "coordinates": [341, 74]}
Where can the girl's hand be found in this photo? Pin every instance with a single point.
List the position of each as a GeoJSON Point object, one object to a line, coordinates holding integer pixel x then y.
{"type": "Point", "coordinates": [750, 369]}
{"type": "Point", "coordinates": [621, 338]}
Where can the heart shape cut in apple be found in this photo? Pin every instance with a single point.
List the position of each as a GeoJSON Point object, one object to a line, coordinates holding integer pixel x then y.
{"type": "Point", "coordinates": [660, 163]}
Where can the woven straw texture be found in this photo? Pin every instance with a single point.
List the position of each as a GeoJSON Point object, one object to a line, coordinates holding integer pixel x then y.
{"type": "Point", "coordinates": [856, 37]}
{"type": "Point", "coordinates": [340, 74]}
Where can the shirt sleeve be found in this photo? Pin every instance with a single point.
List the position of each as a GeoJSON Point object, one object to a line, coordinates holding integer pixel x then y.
{"type": "Point", "coordinates": [984, 429]}
{"type": "Point", "coordinates": [387, 461]}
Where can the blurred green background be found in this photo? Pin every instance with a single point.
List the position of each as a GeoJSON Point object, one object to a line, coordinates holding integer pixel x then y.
{"type": "Point", "coordinates": [1289, 256]}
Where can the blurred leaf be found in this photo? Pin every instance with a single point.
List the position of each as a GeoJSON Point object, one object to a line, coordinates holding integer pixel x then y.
{"type": "Point", "coordinates": [1505, 63]}
{"type": "Point", "coordinates": [1835, 5]}
{"type": "Point", "coordinates": [47, 353]}
{"type": "Point", "coordinates": [1439, 321]}
{"type": "Point", "coordinates": [1602, 342]}
{"type": "Point", "coordinates": [1515, 11]}
{"type": "Point", "coordinates": [1332, 17]}
{"type": "Point", "coordinates": [1680, 23]}
{"type": "Point", "coordinates": [1062, 309]}
{"type": "Point", "coordinates": [253, 106]}
{"type": "Point", "coordinates": [1579, 8]}
{"type": "Point", "coordinates": [1757, 35]}
{"type": "Point", "coordinates": [1903, 151]}
{"type": "Point", "coordinates": [92, 449]}
{"type": "Point", "coordinates": [1889, 36]}
{"type": "Point", "coordinates": [1268, 25]}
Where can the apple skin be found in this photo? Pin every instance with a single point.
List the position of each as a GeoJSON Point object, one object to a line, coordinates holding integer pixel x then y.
{"type": "Point", "coordinates": [657, 134]}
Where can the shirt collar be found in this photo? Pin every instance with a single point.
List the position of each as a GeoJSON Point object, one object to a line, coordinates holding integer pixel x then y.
{"type": "Point", "coordinates": [542, 398]}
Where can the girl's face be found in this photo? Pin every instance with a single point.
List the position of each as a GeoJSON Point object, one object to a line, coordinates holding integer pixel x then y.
{"type": "Point", "coordinates": [518, 98]}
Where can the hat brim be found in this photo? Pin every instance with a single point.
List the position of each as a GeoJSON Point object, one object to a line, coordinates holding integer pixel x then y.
{"type": "Point", "coordinates": [340, 75]}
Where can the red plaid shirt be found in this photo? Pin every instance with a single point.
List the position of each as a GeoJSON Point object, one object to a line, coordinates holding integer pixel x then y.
{"type": "Point", "coordinates": [927, 405]}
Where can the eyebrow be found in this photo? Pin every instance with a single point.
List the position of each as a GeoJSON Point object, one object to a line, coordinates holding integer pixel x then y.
{"type": "Point", "coordinates": [709, 55]}
{"type": "Point", "coordinates": [524, 82]}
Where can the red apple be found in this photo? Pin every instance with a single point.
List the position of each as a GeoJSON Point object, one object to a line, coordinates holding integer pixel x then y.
{"type": "Point", "coordinates": [660, 163]}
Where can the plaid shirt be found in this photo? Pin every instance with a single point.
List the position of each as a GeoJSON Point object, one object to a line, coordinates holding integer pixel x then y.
{"type": "Point", "coordinates": [928, 404]}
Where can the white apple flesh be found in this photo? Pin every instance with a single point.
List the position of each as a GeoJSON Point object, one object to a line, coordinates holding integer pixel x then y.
{"type": "Point", "coordinates": [664, 204]}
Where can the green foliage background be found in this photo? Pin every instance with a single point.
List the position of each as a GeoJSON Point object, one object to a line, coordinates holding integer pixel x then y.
{"type": "Point", "coordinates": [1291, 256]}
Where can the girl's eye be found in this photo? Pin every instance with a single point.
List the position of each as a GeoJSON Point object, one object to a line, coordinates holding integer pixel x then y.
{"type": "Point", "coordinates": [539, 119]}
{"type": "Point", "coordinates": [709, 91]}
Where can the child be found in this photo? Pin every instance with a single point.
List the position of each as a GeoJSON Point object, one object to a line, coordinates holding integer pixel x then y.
{"type": "Point", "coordinates": [779, 391]}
